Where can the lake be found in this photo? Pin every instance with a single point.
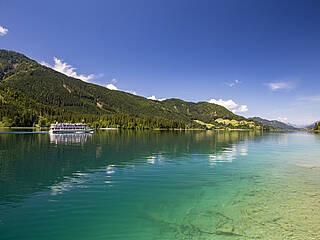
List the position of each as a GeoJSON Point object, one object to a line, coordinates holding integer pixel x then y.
{"type": "Point", "coordinates": [160, 185]}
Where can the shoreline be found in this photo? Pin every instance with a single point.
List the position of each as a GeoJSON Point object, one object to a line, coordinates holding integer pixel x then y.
{"type": "Point", "coordinates": [164, 129]}
{"type": "Point", "coordinates": [155, 129]}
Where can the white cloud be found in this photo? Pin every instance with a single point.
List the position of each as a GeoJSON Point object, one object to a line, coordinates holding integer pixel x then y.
{"type": "Point", "coordinates": [114, 80]}
{"type": "Point", "coordinates": [282, 119]}
{"type": "Point", "coordinates": [68, 70]}
{"type": "Point", "coordinates": [234, 83]}
{"type": "Point", "coordinates": [276, 86]}
{"type": "Point", "coordinates": [153, 97]}
{"type": "Point", "coordinates": [111, 86]}
{"type": "Point", "coordinates": [230, 104]}
{"type": "Point", "coordinates": [242, 108]}
{"type": "Point", "coordinates": [3, 31]}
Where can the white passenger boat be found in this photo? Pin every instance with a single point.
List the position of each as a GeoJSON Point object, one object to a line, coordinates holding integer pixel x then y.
{"type": "Point", "coordinates": [59, 128]}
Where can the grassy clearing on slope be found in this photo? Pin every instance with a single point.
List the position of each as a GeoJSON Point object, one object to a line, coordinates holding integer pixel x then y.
{"type": "Point", "coordinates": [222, 123]}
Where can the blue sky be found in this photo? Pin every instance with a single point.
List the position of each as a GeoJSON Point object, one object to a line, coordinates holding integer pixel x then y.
{"type": "Point", "coordinates": [264, 56]}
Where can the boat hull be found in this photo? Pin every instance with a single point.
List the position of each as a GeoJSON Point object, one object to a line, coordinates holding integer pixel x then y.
{"type": "Point", "coordinates": [79, 131]}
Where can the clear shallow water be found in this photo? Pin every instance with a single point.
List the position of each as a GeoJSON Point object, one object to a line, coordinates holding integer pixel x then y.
{"type": "Point", "coordinates": [160, 185]}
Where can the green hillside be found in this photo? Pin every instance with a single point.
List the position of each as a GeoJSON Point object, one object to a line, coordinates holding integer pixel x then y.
{"type": "Point", "coordinates": [31, 93]}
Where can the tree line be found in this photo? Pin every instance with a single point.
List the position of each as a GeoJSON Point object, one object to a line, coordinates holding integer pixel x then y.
{"type": "Point", "coordinates": [19, 111]}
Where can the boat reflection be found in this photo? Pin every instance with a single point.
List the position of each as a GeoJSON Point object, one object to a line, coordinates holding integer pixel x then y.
{"type": "Point", "coordinates": [71, 138]}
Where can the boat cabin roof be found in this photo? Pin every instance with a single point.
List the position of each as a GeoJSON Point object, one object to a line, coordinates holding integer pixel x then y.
{"type": "Point", "coordinates": [68, 125]}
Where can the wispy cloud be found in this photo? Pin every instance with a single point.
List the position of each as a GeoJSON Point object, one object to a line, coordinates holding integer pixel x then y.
{"type": "Point", "coordinates": [277, 86]}
{"type": "Point", "coordinates": [233, 83]}
{"type": "Point", "coordinates": [315, 98]}
{"type": "Point", "coordinates": [230, 104]}
{"type": "Point", "coordinates": [68, 70]}
{"type": "Point", "coordinates": [3, 31]}
{"type": "Point", "coordinates": [153, 97]}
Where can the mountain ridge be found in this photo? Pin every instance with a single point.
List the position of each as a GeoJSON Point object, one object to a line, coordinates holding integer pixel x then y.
{"type": "Point", "coordinates": [275, 123]}
{"type": "Point", "coordinates": [49, 94]}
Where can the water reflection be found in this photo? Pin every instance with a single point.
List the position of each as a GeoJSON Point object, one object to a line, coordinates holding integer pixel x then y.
{"type": "Point", "coordinates": [229, 154]}
{"type": "Point", "coordinates": [282, 139]}
{"type": "Point", "coordinates": [68, 183]}
{"type": "Point", "coordinates": [69, 138]}
{"type": "Point", "coordinates": [156, 158]}
{"type": "Point", "coordinates": [158, 185]}
{"type": "Point", "coordinates": [111, 169]}
{"type": "Point", "coordinates": [46, 161]}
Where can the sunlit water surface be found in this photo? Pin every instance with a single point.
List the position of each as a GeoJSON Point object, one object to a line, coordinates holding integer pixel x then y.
{"type": "Point", "coordinates": [160, 185]}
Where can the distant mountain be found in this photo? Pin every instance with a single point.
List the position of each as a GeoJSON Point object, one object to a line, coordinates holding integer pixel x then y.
{"type": "Point", "coordinates": [274, 123]}
{"type": "Point", "coordinates": [31, 92]}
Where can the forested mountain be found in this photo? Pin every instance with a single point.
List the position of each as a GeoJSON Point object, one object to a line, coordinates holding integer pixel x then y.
{"type": "Point", "coordinates": [31, 93]}
{"type": "Point", "coordinates": [274, 123]}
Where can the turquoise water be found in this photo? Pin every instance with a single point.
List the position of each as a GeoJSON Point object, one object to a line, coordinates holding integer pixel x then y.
{"type": "Point", "coordinates": [160, 185]}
